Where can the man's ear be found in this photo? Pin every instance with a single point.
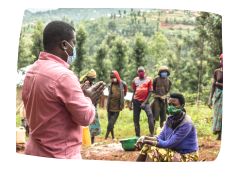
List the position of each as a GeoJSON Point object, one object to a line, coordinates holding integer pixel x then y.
{"type": "Point", "coordinates": [183, 106]}
{"type": "Point", "coordinates": [63, 45]}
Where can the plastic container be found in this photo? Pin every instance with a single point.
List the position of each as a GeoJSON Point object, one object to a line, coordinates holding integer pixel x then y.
{"type": "Point", "coordinates": [20, 135]}
{"type": "Point", "coordinates": [128, 144]}
{"type": "Point", "coordinates": [86, 140]}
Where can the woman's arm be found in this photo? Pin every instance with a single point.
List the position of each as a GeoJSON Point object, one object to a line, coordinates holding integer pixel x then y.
{"type": "Point", "coordinates": [151, 142]}
{"type": "Point", "coordinates": [150, 138]}
{"type": "Point", "coordinates": [211, 94]}
{"type": "Point", "coordinates": [227, 86]}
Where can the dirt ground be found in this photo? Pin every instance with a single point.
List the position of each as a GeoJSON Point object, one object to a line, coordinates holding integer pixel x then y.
{"type": "Point", "coordinates": [110, 151]}
{"type": "Point", "coordinates": [164, 25]}
{"type": "Point", "coordinates": [208, 151]}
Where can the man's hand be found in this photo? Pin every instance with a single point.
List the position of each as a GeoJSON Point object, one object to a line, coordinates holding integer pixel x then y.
{"type": "Point", "coordinates": [143, 105]}
{"type": "Point", "coordinates": [94, 92]}
{"type": "Point", "coordinates": [130, 106]}
{"type": "Point", "coordinates": [210, 104]}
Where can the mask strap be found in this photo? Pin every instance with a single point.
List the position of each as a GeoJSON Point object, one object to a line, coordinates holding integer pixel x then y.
{"type": "Point", "coordinates": [69, 44]}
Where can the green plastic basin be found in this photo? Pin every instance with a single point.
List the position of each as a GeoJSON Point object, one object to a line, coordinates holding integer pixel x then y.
{"type": "Point", "coordinates": [128, 144]}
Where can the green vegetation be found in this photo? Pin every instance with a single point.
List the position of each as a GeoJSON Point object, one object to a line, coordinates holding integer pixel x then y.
{"type": "Point", "coordinates": [124, 127]}
{"type": "Point", "coordinates": [137, 38]}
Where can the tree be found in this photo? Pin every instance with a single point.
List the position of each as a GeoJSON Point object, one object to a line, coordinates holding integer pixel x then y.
{"type": "Point", "coordinates": [24, 59]}
{"type": "Point", "coordinates": [72, 22]}
{"type": "Point", "coordinates": [198, 47]}
{"type": "Point", "coordinates": [112, 25]}
{"type": "Point", "coordinates": [37, 39]}
{"type": "Point", "coordinates": [100, 63]}
{"type": "Point", "coordinates": [166, 21]}
{"type": "Point", "coordinates": [110, 39]}
{"type": "Point", "coordinates": [180, 28]}
{"type": "Point", "coordinates": [114, 16]}
{"type": "Point", "coordinates": [125, 12]}
{"type": "Point", "coordinates": [64, 18]}
{"type": "Point", "coordinates": [132, 20]}
{"type": "Point", "coordinates": [118, 55]}
{"type": "Point", "coordinates": [81, 50]}
{"type": "Point", "coordinates": [140, 50]}
{"type": "Point", "coordinates": [131, 9]}
{"type": "Point", "coordinates": [202, 34]}
{"type": "Point", "coordinates": [120, 13]}
{"type": "Point", "coordinates": [158, 48]}
{"type": "Point", "coordinates": [139, 13]}
{"type": "Point", "coordinates": [8, 50]}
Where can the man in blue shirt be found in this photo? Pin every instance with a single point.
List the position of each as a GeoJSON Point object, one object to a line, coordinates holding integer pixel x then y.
{"type": "Point", "coordinates": [178, 140]}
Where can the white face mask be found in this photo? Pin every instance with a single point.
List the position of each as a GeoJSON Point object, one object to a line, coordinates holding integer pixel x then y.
{"type": "Point", "coordinates": [114, 80]}
{"type": "Point", "coordinates": [71, 58]}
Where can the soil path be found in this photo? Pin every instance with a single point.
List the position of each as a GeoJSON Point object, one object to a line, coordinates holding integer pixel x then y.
{"type": "Point", "coordinates": [208, 151]}
{"type": "Point", "coordinates": [111, 155]}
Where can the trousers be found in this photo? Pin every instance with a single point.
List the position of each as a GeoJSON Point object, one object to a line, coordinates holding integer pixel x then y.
{"type": "Point", "coordinates": [136, 115]}
{"type": "Point", "coordinates": [112, 118]}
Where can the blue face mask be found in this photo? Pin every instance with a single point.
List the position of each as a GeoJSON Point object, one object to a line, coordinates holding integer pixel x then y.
{"type": "Point", "coordinates": [164, 75]}
{"type": "Point", "coordinates": [71, 58]}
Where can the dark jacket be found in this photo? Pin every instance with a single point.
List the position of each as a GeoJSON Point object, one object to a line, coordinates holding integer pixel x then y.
{"type": "Point", "coordinates": [122, 94]}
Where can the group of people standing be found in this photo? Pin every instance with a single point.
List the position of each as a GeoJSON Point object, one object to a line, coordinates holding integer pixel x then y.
{"type": "Point", "coordinates": [142, 89]}
{"type": "Point", "coordinates": [156, 111]}
{"type": "Point", "coordinates": [58, 106]}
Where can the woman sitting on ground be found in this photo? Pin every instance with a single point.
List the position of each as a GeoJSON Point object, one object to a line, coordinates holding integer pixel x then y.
{"type": "Point", "coordinates": [178, 140]}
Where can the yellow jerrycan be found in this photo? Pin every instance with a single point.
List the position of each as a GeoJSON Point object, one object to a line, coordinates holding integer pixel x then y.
{"type": "Point", "coordinates": [20, 135]}
{"type": "Point", "coordinates": [86, 140]}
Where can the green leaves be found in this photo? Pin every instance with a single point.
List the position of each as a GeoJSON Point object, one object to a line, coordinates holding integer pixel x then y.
{"type": "Point", "coordinates": [37, 39]}
{"type": "Point", "coordinates": [81, 50]}
{"type": "Point", "coordinates": [102, 66]}
{"type": "Point", "coordinates": [118, 55]}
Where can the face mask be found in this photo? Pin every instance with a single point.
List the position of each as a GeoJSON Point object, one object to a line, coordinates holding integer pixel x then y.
{"type": "Point", "coordinates": [71, 58]}
{"type": "Point", "coordinates": [172, 110]}
{"type": "Point", "coordinates": [164, 75]}
{"type": "Point", "coordinates": [224, 65]}
{"type": "Point", "coordinates": [141, 74]}
{"type": "Point", "coordinates": [114, 80]}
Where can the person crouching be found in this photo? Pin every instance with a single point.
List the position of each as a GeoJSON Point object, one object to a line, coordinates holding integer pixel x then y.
{"type": "Point", "coordinates": [178, 140]}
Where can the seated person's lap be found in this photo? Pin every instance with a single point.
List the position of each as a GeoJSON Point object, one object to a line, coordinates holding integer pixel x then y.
{"type": "Point", "coordinates": [166, 155]}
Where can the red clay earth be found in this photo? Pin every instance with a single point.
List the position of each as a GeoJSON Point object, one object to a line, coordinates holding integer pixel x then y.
{"type": "Point", "coordinates": [208, 149]}
{"type": "Point", "coordinates": [164, 25]}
